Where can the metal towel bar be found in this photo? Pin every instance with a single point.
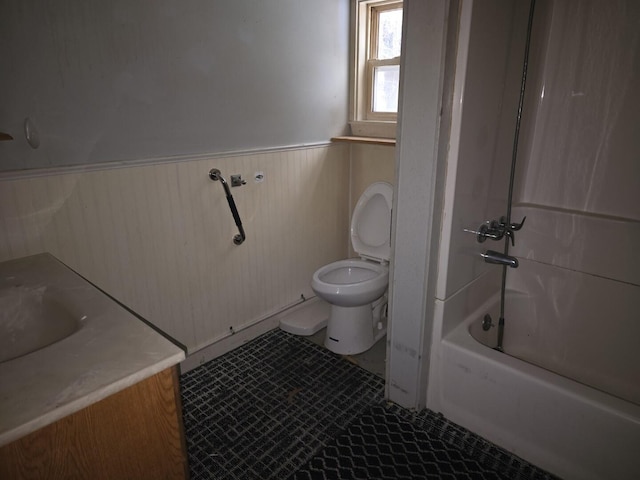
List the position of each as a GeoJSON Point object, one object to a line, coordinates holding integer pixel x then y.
{"type": "Point", "coordinates": [214, 174]}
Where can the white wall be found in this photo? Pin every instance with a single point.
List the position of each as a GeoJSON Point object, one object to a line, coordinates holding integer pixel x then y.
{"type": "Point", "coordinates": [582, 110]}
{"type": "Point", "coordinates": [579, 186]}
{"type": "Point", "coordinates": [485, 108]}
{"type": "Point", "coordinates": [417, 198]}
{"type": "Point", "coordinates": [578, 174]}
{"type": "Point", "coordinates": [489, 51]}
{"type": "Point", "coordinates": [153, 95]}
{"type": "Point", "coordinates": [128, 80]}
{"type": "Point", "coordinates": [159, 237]}
{"type": "Point", "coordinates": [369, 164]}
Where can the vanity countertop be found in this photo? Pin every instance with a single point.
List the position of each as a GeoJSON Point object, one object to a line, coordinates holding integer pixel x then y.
{"type": "Point", "coordinates": [111, 350]}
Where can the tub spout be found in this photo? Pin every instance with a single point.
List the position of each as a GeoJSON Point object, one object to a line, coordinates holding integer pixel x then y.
{"type": "Point", "coordinates": [491, 256]}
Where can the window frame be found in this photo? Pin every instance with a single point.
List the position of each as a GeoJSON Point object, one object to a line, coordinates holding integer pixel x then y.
{"type": "Point", "coordinates": [362, 119]}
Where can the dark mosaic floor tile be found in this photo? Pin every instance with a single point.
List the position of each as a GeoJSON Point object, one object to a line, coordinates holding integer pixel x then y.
{"type": "Point", "coordinates": [389, 442]}
{"type": "Point", "coordinates": [264, 409]}
{"type": "Point", "coordinates": [282, 407]}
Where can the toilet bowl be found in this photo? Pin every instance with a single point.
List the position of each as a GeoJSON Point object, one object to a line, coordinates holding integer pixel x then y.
{"type": "Point", "coordinates": [356, 288]}
{"type": "Point", "coordinates": [350, 283]}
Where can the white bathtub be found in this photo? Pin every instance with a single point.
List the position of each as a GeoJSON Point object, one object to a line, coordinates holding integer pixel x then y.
{"type": "Point", "coordinates": [566, 427]}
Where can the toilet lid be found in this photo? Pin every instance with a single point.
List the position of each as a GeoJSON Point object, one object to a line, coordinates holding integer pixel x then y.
{"type": "Point", "coordinates": [371, 223]}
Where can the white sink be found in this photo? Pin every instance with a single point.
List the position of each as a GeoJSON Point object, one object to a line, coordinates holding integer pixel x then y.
{"type": "Point", "coordinates": [32, 318]}
{"type": "Point", "coordinates": [65, 345]}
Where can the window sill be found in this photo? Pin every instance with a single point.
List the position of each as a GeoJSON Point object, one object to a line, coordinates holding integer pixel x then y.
{"type": "Point", "coordinates": [367, 140]}
{"type": "Point", "coordinates": [371, 128]}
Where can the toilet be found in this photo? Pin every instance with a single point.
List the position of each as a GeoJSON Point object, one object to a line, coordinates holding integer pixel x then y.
{"type": "Point", "coordinates": [356, 289]}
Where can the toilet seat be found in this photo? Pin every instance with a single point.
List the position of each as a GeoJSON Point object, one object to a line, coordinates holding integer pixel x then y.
{"type": "Point", "coordinates": [371, 223]}
{"type": "Point", "coordinates": [352, 282]}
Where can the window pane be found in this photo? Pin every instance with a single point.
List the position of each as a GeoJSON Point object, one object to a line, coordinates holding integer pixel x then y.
{"type": "Point", "coordinates": [385, 88]}
{"type": "Point", "coordinates": [389, 33]}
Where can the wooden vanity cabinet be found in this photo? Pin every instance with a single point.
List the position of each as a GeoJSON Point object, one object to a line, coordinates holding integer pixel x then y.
{"type": "Point", "coordinates": [136, 433]}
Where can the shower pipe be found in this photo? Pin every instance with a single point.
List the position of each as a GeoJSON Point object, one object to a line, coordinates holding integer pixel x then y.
{"type": "Point", "coordinates": [523, 83]}
{"type": "Point", "coordinates": [514, 155]}
{"type": "Point", "coordinates": [214, 174]}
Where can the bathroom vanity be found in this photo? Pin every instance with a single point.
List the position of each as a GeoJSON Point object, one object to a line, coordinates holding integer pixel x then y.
{"type": "Point", "coordinates": [94, 394]}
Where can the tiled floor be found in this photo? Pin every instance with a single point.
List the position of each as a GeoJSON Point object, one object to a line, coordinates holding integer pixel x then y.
{"type": "Point", "coordinates": [373, 360]}
{"type": "Point", "coordinates": [388, 441]}
{"type": "Point", "coordinates": [284, 407]}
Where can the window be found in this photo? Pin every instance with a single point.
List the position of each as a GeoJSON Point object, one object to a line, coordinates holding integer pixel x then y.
{"type": "Point", "coordinates": [377, 32]}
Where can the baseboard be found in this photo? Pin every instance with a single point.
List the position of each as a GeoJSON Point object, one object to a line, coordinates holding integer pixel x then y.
{"type": "Point", "coordinates": [239, 338]}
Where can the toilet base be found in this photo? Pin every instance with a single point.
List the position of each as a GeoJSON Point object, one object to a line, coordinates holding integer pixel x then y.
{"type": "Point", "coordinates": [351, 330]}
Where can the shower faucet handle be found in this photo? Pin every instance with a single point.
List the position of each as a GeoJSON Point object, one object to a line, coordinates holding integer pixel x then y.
{"type": "Point", "coordinates": [511, 228]}
{"type": "Point", "coordinates": [490, 229]}
{"type": "Point", "coordinates": [514, 227]}
{"type": "Point", "coordinates": [511, 236]}
{"type": "Point", "coordinates": [496, 230]}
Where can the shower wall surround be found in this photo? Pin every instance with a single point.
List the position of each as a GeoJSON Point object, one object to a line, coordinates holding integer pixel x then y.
{"type": "Point", "coordinates": [485, 103]}
{"type": "Point", "coordinates": [578, 183]}
{"type": "Point", "coordinates": [577, 178]}
{"type": "Point", "coordinates": [581, 142]}
{"type": "Point", "coordinates": [159, 237]}
{"type": "Point", "coordinates": [579, 174]}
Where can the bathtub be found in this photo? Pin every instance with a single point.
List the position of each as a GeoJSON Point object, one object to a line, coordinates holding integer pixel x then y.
{"type": "Point", "coordinates": [551, 398]}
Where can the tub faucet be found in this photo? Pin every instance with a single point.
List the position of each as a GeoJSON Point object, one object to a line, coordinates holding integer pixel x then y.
{"type": "Point", "coordinates": [497, 230]}
{"type": "Point", "coordinates": [491, 256]}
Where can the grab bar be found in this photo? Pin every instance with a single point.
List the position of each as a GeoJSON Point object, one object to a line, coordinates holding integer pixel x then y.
{"type": "Point", "coordinates": [214, 174]}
